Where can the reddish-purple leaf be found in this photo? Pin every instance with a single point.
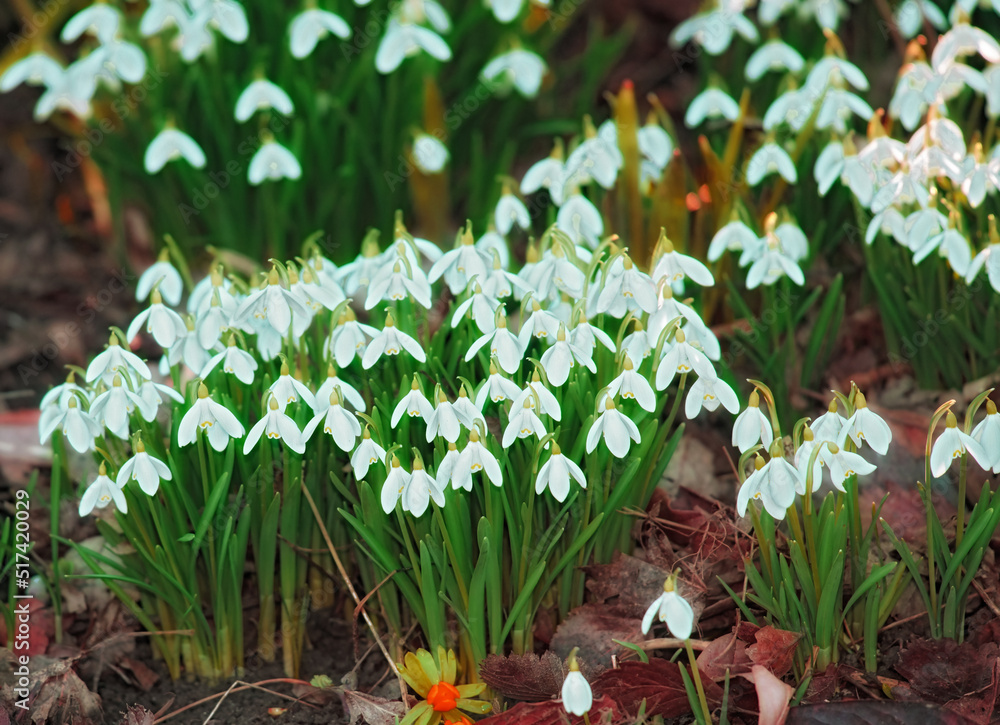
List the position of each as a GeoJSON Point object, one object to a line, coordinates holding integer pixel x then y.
{"type": "Point", "coordinates": [524, 677]}
{"type": "Point", "coordinates": [658, 682]}
{"type": "Point", "coordinates": [552, 712]}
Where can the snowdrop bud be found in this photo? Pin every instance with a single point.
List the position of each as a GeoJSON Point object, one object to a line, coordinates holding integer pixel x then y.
{"type": "Point", "coordinates": [577, 696]}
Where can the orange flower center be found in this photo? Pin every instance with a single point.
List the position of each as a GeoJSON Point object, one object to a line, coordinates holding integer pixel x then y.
{"type": "Point", "coordinates": [442, 697]}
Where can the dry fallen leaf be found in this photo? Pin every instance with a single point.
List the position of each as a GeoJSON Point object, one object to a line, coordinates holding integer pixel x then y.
{"type": "Point", "coordinates": [525, 677]}
{"type": "Point", "coordinates": [372, 710]}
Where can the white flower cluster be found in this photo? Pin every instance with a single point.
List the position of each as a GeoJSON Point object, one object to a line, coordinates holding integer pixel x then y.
{"type": "Point", "coordinates": [896, 180]}
{"type": "Point", "coordinates": [562, 299]}
{"type": "Point", "coordinates": [412, 26]}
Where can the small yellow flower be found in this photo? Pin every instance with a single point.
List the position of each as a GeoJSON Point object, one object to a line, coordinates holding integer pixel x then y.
{"type": "Point", "coordinates": [434, 680]}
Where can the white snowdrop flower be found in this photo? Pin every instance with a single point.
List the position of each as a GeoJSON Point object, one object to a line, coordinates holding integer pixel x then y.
{"type": "Point", "coordinates": [752, 426]}
{"type": "Point", "coordinates": [429, 153]}
{"type": "Point", "coordinates": [711, 103]}
{"type": "Point", "coordinates": [522, 423]}
{"type": "Point", "coordinates": [270, 305]}
{"type": "Point", "coordinates": [637, 344]}
{"type": "Point", "coordinates": [144, 469]}
{"type": "Point", "coordinates": [497, 388]}
{"type": "Point", "coordinates": [194, 37]}
{"type": "Point", "coordinates": [889, 222]}
{"type": "Point", "coordinates": [55, 401]}
{"type": "Point", "coordinates": [286, 390]}
{"type": "Point", "coordinates": [112, 408]}
{"type": "Point", "coordinates": [556, 272]}
{"type": "Point", "coordinates": [186, 350]}
{"type": "Point", "coordinates": [626, 289]}
{"type": "Point", "coordinates": [670, 309]}
{"type": "Point", "coordinates": [991, 76]}
{"type": "Point", "coordinates": [562, 356]}
{"type": "Point", "coordinates": [979, 176]}
{"type": "Point", "coordinates": [616, 428]}
{"type": "Point", "coordinates": [399, 281]}
{"type": "Point", "coordinates": [272, 161]}
{"type": "Point", "coordinates": [443, 421]}
{"type": "Point", "coordinates": [234, 362]}
{"type": "Point", "coordinates": [709, 393]}
{"type": "Point", "coordinates": [910, 16]}
{"type": "Point", "coordinates": [596, 159]}
{"type": "Point", "coordinates": [395, 484]}
{"type": "Point", "coordinates": [793, 108]}
{"type": "Point", "coordinates": [511, 211]}
{"type": "Point", "coordinates": [161, 14]}
{"type": "Point", "coordinates": [519, 68]}
{"type": "Point", "coordinates": [504, 346]}
{"type": "Point", "coordinates": [774, 55]}
{"type": "Point", "coordinates": [963, 40]}
{"type": "Point", "coordinates": [73, 88]}
{"type": "Point", "coordinates": [713, 29]}
{"type": "Point", "coordinates": [213, 418]}
{"type": "Point", "coordinates": [954, 443]}
{"type": "Point", "coordinates": [116, 359]}
{"type": "Point", "coordinates": [950, 244]}
{"type": "Point", "coordinates": [467, 411]}
{"type": "Point", "coordinates": [475, 457]}
{"type": "Point", "coordinates": [681, 357]}
{"type": "Point", "coordinates": [580, 220]}
{"type": "Point", "coordinates": [672, 609]}
{"type": "Point", "coordinates": [402, 40]}
{"type": "Point", "coordinates": [414, 404]}
{"type": "Point", "coordinates": [78, 426]}
{"type": "Point", "coordinates": [987, 435]}
{"type": "Point", "coordinates": [362, 269]}
{"type": "Point", "coordinates": [828, 426]}
{"type": "Point", "coordinates": [547, 402]}
{"type": "Point", "coordinates": [312, 25]}
{"type": "Point", "coordinates": [479, 306]}
{"type": "Point", "coordinates": [262, 95]}
{"type": "Point", "coordinates": [120, 60]}
{"type": "Point", "coordinates": [555, 475]}
{"type": "Point", "coordinates": [831, 70]}
{"type": "Point", "coordinates": [367, 453]}
{"type": "Point", "coordinates": [842, 464]}
{"type": "Point", "coordinates": [492, 242]}
{"type": "Point", "coordinates": [910, 98]}
{"type": "Point", "coordinates": [772, 264]}
{"type": "Point", "coordinates": [924, 224]}
{"type": "Point", "coordinates": [866, 426]}
{"type": "Point", "coordinates": [389, 342]}
{"type": "Point", "coordinates": [445, 473]}
{"type": "Point", "coordinates": [165, 325]}
{"type": "Point", "coordinates": [837, 107]}
{"type": "Point", "coordinates": [419, 490]}
{"type": "Point", "coordinates": [940, 134]}
{"type": "Point", "coordinates": [349, 338]}
{"type": "Point", "coordinates": [36, 69]}
{"type": "Point", "coordinates": [338, 422]}
{"type": "Point", "coordinates": [838, 161]}
{"type": "Point", "coordinates": [102, 492]}
{"type": "Point", "coordinates": [459, 265]}
{"type": "Point", "coordinates": [734, 236]}
{"type": "Point", "coordinates": [344, 390]}
{"type": "Point", "coordinates": [989, 258]}
{"type": "Point", "coordinates": [770, 159]}
{"type": "Point", "coordinates": [541, 324]}
{"type": "Point", "coordinates": [577, 697]}
{"type": "Point", "coordinates": [227, 16]}
{"type": "Point", "coordinates": [655, 143]}
{"type": "Point", "coordinates": [100, 20]}
{"type": "Point", "coordinates": [505, 11]}
{"type": "Point", "coordinates": [168, 145]}
{"type": "Point", "coordinates": [550, 173]}
{"type": "Point", "coordinates": [630, 384]}
{"type": "Point", "coordinates": [165, 275]}
{"type": "Point", "coordinates": [774, 484]}
{"type": "Point", "coordinates": [205, 290]}
{"type": "Point", "coordinates": [276, 425]}
{"type": "Point", "coordinates": [153, 395]}
{"type": "Point", "coordinates": [586, 336]}
{"type": "Point", "coordinates": [676, 267]}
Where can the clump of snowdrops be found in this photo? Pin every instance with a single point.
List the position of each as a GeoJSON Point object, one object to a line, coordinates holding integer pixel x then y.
{"type": "Point", "coordinates": [474, 433]}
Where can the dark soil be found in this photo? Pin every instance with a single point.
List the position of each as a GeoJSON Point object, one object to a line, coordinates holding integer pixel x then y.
{"type": "Point", "coordinates": [331, 654]}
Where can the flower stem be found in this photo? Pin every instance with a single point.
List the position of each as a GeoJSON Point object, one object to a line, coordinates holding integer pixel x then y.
{"type": "Point", "coordinates": [697, 681]}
